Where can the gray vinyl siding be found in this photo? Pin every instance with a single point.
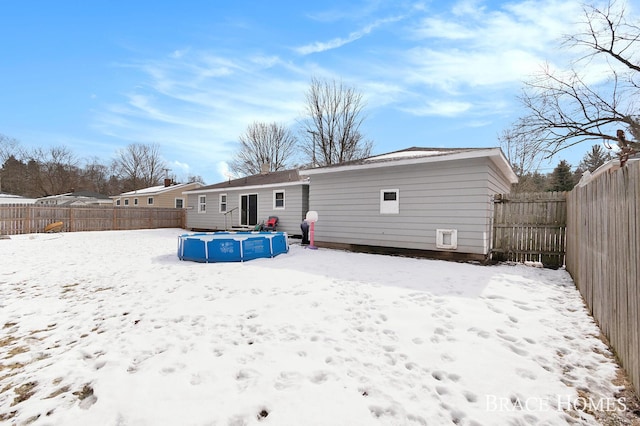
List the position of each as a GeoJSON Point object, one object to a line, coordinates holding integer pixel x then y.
{"type": "Point", "coordinates": [498, 184]}
{"type": "Point", "coordinates": [289, 218]}
{"type": "Point", "coordinates": [443, 195]}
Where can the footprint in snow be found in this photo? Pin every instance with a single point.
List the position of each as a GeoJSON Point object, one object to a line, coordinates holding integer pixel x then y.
{"type": "Point", "coordinates": [288, 379]}
{"type": "Point", "coordinates": [526, 374]}
{"type": "Point", "coordinates": [246, 377]}
{"type": "Point", "coordinates": [410, 366]}
{"type": "Point", "coordinates": [319, 377]}
{"type": "Point", "coordinates": [439, 375]}
{"type": "Point", "coordinates": [470, 396]}
{"type": "Point", "coordinates": [442, 390]}
{"type": "Point", "coordinates": [508, 337]}
{"type": "Point", "coordinates": [447, 357]}
{"type": "Point", "coordinates": [481, 333]}
{"type": "Point", "coordinates": [390, 334]}
{"type": "Point", "coordinates": [517, 350]}
{"type": "Point", "coordinates": [494, 309]}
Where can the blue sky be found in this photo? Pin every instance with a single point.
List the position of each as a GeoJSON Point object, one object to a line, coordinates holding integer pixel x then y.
{"type": "Point", "coordinates": [96, 76]}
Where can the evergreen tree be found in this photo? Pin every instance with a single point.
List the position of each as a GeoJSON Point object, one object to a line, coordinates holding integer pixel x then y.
{"type": "Point", "coordinates": [562, 177]}
{"type": "Point", "coordinates": [594, 158]}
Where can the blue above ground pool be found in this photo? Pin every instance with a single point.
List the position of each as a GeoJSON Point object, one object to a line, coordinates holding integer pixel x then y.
{"type": "Point", "coordinates": [231, 246]}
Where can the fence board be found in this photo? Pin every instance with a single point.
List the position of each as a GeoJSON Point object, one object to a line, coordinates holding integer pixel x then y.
{"type": "Point", "coordinates": [603, 252]}
{"type": "Point", "coordinates": [530, 227]}
{"type": "Point", "coordinates": [29, 218]}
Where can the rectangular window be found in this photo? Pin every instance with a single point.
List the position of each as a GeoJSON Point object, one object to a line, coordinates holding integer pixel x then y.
{"type": "Point", "coordinates": [126, 201]}
{"type": "Point", "coordinates": [117, 202]}
{"type": "Point", "coordinates": [135, 201]}
{"type": "Point", "coordinates": [389, 201]}
{"type": "Point", "coordinates": [179, 203]}
{"type": "Point", "coordinates": [278, 199]}
{"type": "Point", "coordinates": [202, 204]}
{"type": "Point", "coordinates": [150, 200]}
{"type": "Point", "coordinates": [223, 203]}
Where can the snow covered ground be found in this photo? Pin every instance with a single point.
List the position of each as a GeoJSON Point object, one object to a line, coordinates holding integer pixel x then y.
{"type": "Point", "coordinates": [110, 328]}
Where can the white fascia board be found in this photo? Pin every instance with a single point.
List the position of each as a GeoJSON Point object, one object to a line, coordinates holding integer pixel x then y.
{"type": "Point", "coordinates": [501, 161]}
{"type": "Point", "coordinates": [245, 188]}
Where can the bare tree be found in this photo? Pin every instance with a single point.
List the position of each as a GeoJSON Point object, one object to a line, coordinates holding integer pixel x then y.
{"type": "Point", "coordinates": [96, 177]}
{"type": "Point", "coordinates": [264, 144]}
{"type": "Point", "coordinates": [140, 166]}
{"type": "Point", "coordinates": [195, 179]}
{"type": "Point", "coordinates": [522, 151]}
{"type": "Point", "coordinates": [53, 171]}
{"type": "Point", "coordinates": [331, 131]}
{"type": "Point", "coordinates": [9, 147]}
{"type": "Point", "coordinates": [568, 107]}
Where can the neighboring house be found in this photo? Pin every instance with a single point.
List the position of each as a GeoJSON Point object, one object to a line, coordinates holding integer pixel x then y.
{"type": "Point", "coordinates": [246, 202]}
{"type": "Point", "coordinates": [167, 195]}
{"type": "Point", "coordinates": [433, 201]}
{"type": "Point", "coordinates": [15, 199]}
{"type": "Point", "coordinates": [79, 198]}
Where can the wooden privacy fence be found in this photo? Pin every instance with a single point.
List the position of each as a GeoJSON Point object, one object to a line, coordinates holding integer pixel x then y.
{"type": "Point", "coordinates": [603, 256]}
{"type": "Point", "coordinates": [530, 227]}
{"type": "Point", "coordinates": [30, 218]}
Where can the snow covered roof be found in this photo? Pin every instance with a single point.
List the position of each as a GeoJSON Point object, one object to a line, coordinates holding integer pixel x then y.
{"type": "Point", "coordinates": [77, 195]}
{"type": "Point", "coordinates": [415, 155]}
{"type": "Point", "coordinates": [14, 199]}
{"type": "Point", "coordinates": [158, 189]}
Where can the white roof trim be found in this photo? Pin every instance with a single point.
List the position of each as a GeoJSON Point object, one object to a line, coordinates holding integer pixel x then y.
{"type": "Point", "coordinates": [246, 188]}
{"type": "Point", "coordinates": [494, 153]}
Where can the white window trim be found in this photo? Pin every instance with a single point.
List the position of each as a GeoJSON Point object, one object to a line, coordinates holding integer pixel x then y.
{"type": "Point", "coordinates": [284, 198]}
{"type": "Point", "coordinates": [118, 202]}
{"type": "Point", "coordinates": [126, 201]}
{"type": "Point", "coordinates": [135, 201]}
{"type": "Point", "coordinates": [202, 204]}
{"type": "Point", "coordinates": [390, 207]}
{"type": "Point", "coordinates": [226, 203]}
{"type": "Point", "coordinates": [150, 201]}
{"type": "Point", "coordinates": [175, 201]}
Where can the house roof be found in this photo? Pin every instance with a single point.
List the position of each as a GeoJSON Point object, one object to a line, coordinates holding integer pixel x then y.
{"type": "Point", "coordinates": [77, 194]}
{"type": "Point", "coordinates": [279, 178]}
{"type": "Point", "coordinates": [158, 189]}
{"type": "Point", "coordinates": [417, 155]}
{"type": "Point", "coordinates": [15, 199]}
{"type": "Point", "coordinates": [90, 194]}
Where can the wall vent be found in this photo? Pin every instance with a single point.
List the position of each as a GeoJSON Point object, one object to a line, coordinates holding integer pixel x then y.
{"type": "Point", "coordinates": [447, 239]}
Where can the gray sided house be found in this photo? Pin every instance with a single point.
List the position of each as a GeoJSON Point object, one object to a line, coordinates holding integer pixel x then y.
{"type": "Point", "coordinates": [246, 202]}
{"type": "Point", "coordinates": [424, 201]}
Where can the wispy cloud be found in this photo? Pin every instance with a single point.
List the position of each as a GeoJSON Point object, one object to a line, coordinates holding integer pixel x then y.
{"type": "Point", "coordinates": [197, 104]}
{"type": "Point", "coordinates": [462, 61]}
{"type": "Point", "coordinates": [481, 47]}
{"type": "Point", "coordinates": [443, 108]}
{"type": "Point", "coordinates": [321, 46]}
